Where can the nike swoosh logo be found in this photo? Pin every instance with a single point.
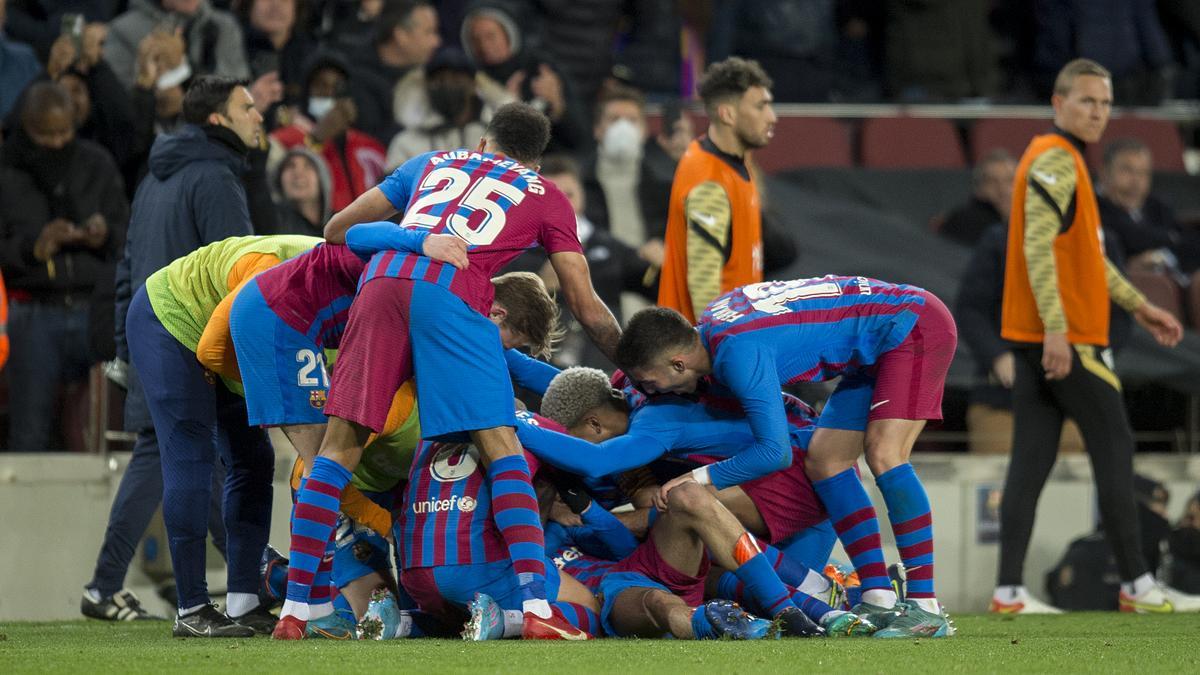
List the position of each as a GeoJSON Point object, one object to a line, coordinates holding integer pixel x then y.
{"type": "Point", "coordinates": [1046, 178]}
{"type": "Point", "coordinates": [330, 636]}
{"type": "Point", "coordinates": [876, 405]}
{"type": "Point", "coordinates": [706, 219]}
{"type": "Point", "coordinates": [1165, 608]}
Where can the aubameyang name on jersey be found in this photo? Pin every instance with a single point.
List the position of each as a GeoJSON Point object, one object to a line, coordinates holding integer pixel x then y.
{"type": "Point", "coordinates": [532, 179]}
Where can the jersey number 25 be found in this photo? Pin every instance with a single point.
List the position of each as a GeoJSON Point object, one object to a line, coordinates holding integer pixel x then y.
{"type": "Point", "coordinates": [447, 184]}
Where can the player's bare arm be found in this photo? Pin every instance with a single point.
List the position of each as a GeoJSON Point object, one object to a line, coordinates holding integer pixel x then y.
{"type": "Point", "coordinates": [581, 298]}
{"type": "Point", "coordinates": [370, 205]}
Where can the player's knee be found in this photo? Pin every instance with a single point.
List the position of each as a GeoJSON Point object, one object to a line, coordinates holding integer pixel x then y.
{"type": "Point", "coordinates": [691, 499]}
{"type": "Point", "coordinates": [883, 457]}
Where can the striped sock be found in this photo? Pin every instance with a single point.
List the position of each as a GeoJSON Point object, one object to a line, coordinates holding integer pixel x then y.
{"type": "Point", "coordinates": [579, 616]}
{"type": "Point", "coordinates": [791, 572]}
{"type": "Point", "coordinates": [515, 509]}
{"type": "Point", "coordinates": [730, 587]}
{"type": "Point", "coordinates": [320, 599]}
{"type": "Point", "coordinates": [912, 523]}
{"type": "Point", "coordinates": [312, 530]}
{"type": "Point", "coordinates": [854, 519]}
{"type": "Point", "coordinates": [762, 585]}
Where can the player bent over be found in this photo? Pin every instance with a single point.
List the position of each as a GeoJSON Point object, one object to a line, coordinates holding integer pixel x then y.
{"type": "Point", "coordinates": [891, 343]}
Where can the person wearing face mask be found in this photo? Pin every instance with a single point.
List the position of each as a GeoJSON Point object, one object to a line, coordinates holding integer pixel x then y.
{"type": "Point", "coordinates": [612, 178]}
{"type": "Point", "coordinates": [64, 213]}
{"type": "Point", "coordinates": [445, 105]}
{"type": "Point", "coordinates": [354, 158]}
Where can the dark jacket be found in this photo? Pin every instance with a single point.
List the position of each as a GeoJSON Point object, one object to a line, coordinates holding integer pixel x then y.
{"type": "Point", "coordinates": [968, 223]}
{"type": "Point", "coordinates": [192, 196]}
{"type": "Point", "coordinates": [33, 193]}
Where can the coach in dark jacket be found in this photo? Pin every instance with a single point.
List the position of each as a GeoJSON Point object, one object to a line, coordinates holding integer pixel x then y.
{"type": "Point", "coordinates": [192, 196]}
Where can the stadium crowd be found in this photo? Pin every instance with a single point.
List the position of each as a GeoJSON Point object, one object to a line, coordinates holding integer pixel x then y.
{"type": "Point", "coordinates": [204, 196]}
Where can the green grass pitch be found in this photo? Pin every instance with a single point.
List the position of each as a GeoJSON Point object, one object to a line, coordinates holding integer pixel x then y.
{"type": "Point", "coordinates": [1029, 644]}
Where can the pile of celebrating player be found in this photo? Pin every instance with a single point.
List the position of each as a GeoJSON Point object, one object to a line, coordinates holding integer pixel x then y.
{"type": "Point", "coordinates": [684, 495]}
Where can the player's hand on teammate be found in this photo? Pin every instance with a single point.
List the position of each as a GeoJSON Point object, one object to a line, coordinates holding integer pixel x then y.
{"type": "Point", "coordinates": [660, 498]}
{"type": "Point", "coordinates": [1056, 356]}
{"type": "Point", "coordinates": [446, 248]}
{"type": "Point", "coordinates": [1162, 324]}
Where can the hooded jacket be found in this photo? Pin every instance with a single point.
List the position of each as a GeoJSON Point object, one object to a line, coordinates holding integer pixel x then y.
{"type": "Point", "coordinates": [290, 220]}
{"type": "Point", "coordinates": [192, 196]}
{"type": "Point", "coordinates": [213, 38]}
{"type": "Point", "coordinates": [355, 159]}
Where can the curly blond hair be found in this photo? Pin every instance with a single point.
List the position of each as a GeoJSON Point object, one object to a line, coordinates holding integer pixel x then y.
{"type": "Point", "coordinates": [576, 391]}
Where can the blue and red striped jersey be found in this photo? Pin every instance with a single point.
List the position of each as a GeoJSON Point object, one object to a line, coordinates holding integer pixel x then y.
{"type": "Point", "coordinates": [499, 207]}
{"type": "Point", "coordinates": [312, 292]}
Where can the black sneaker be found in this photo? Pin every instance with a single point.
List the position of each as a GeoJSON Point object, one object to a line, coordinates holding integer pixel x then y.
{"type": "Point", "coordinates": [210, 623]}
{"type": "Point", "coordinates": [120, 606]}
{"type": "Point", "coordinates": [793, 623]}
{"type": "Point", "coordinates": [262, 621]}
{"type": "Point", "coordinates": [273, 568]}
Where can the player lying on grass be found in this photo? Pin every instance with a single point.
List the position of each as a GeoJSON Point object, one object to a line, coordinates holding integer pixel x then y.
{"type": "Point", "coordinates": [195, 417]}
{"type": "Point", "coordinates": [781, 505]}
{"type": "Point", "coordinates": [891, 344]}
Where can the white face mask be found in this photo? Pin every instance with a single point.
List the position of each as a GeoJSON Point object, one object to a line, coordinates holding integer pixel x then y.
{"type": "Point", "coordinates": [174, 77]}
{"type": "Point", "coordinates": [319, 105]}
{"type": "Point", "coordinates": [622, 141]}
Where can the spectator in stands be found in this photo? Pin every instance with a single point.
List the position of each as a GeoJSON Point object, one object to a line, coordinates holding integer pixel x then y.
{"type": "Point", "coordinates": [616, 267]}
{"type": "Point", "coordinates": [1057, 288]}
{"type": "Point", "coordinates": [1144, 225]}
{"type": "Point", "coordinates": [1181, 19]}
{"type": "Point", "coordinates": [960, 63]}
{"type": "Point", "coordinates": [355, 159]}
{"type": "Point", "coordinates": [611, 179]}
{"type": "Point", "coordinates": [157, 99]}
{"type": "Point", "coordinates": [990, 202]}
{"type": "Point", "coordinates": [64, 215]}
{"type": "Point", "coordinates": [104, 112]}
{"type": "Point", "coordinates": [493, 40]}
{"type": "Point", "coordinates": [192, 196]}
{"type": "Point", "coordinates": [659, 160]}
{"type": "Point", "coordinates": [18, 66]}
{"type": "Point", "coordinates": [301, 187]}
{"type": "Point", "coordinates": [576, 38]}
{"type": "Point", "coordinates": [347, 25]}
{"type": "Point", "coordinates": [796, 47]}
{"type": "Point", "coordinates": [649, 54]}
{"type": "Point", "coordinates": [38, 23]}
{"type": "Point", "coordinates": [213, 37]}
{"type": "Point", "coordinates": [277, 41]}
{"type": "Point", "coordinates": [443, 105]}
{"type": "Point", "coordinates": [1124, 36]}
{"type": "Point", "coordinates": [406, 36]}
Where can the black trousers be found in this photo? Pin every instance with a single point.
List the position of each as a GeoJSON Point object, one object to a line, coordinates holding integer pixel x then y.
{"type": "Point", "coordinates": [1091, 395]}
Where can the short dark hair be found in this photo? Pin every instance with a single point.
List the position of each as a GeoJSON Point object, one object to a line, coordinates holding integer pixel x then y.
{"type": "Point", "coordinates": [620, 92]}
{"type": "Point", "coordinates": [396, 13]}
{"type": "Point", "coordinates": [559, 165]}
{"type": "Point", "coordinates": [730, 79]}
{"type": "Point", "coordinates": [1121, 146]}
{"type": "Point", "coordinates": [520, 131]}
{"type": "Point", "coordinates": [45, 96]}
{"type": "Point", "coordinates": [243, 8]}
{"type": "Point", "coordinates": [651, 332]}
{"type": "Point", "coordinates": [208, 94]}
{"type": "Point", "coordinates": [993, 156]}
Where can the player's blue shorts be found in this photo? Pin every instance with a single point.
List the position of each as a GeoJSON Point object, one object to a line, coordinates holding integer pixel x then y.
{"type": "Point", "coordinates": [283, 371]}
{"type": "Point", "coordinates": [612, 585]}
{"type": "Point", "coordinates": [461, 375]}
{"type": "Point", "coordinates": [849, 404]}
{"type": "Point", "coordinates": [810, 547]}
{"type": "Point", "coordinates": [444, 590]}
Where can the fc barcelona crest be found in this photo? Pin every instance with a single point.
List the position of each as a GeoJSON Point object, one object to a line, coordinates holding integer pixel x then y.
{"type": "Point", "coordinates": [316, 398]}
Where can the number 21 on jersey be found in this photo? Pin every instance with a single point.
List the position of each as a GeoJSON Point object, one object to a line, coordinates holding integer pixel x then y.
{"type": "Point", "coordinates": [445, 187]}
{"type": "Point", "coordinates": [312, 372]}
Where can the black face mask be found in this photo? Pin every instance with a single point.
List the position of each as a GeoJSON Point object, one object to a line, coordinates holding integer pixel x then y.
{"type": "Point", "coordinates": [449, 101]}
